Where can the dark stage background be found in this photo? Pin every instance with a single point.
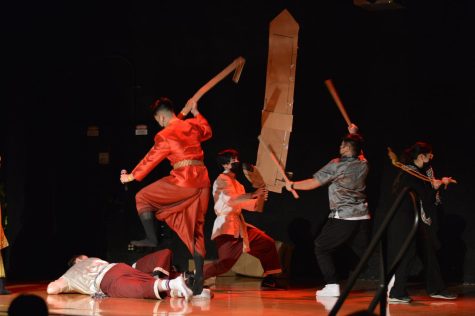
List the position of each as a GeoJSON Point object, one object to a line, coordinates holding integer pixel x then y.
{"type": "Point", "coordinates": [404, 75]}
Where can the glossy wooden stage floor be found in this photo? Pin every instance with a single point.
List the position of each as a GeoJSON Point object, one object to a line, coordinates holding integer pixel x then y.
{"type": "Point", "coordinates": [242, 296]}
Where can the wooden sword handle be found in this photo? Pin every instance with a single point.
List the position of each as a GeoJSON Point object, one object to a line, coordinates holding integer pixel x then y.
{"type": "Point", "coordinates": [279, 167]}
{"type": "Point", "coordinates": [337, 100]}
{"type": "Point", "coordinates": [237, 65]}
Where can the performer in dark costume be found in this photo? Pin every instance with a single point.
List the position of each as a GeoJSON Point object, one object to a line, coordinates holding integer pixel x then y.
{"type": "Point", "coordinates": [416, 174]}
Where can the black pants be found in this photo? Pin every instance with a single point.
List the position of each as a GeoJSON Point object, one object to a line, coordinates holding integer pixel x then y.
{"type": "Point", "coordinates": [336, 233]}
{"type": "Point", "coordinates": [424, 245]}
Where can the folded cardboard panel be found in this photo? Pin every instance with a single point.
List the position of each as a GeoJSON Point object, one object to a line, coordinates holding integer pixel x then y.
{"type": "Point", "coordinates": [279, 98]}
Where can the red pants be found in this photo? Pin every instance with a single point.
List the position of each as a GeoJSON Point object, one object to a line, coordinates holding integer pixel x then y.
{"type": "Point", "coordinates": [183, 209]}
{"type": "Point", "coordinates": [158, 260]}
{"type": "Point", "coordinates": [230, 249]}
{"type": "Point", "coordinates": [124, 281]}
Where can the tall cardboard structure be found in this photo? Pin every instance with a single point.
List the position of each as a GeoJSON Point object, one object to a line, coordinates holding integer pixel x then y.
{"type": "Point", "coordinates": [279, 98]}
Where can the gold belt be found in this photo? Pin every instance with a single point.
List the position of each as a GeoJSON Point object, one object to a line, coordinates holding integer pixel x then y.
{"type": "Point", "coordinates": [187, 162]}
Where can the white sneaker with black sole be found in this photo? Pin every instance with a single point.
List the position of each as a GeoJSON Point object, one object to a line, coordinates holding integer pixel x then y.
{"type": "Point", "coordinates": [444, 294]}
{"type": "Point", "coordinates": [399, 300]}
{"type": "Point", "coordinates": [329, 290]}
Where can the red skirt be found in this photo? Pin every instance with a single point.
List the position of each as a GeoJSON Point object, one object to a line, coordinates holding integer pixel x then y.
{"type": "Point", "coordinates": [183, 209]}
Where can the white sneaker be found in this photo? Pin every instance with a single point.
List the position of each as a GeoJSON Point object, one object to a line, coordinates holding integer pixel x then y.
{"type": "Point", "coordinates": [179, 285]}
{"type": "Point", "coordinates": [402, 299]}
{"type": "Point", "coordinates": [327, 302]}
{"type": "Point", "coordinates": [205, 294]}
{"type": "Point", "coordinates": [329, 290]}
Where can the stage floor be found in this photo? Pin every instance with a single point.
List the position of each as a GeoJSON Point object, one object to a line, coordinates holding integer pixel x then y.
{"type": "Point", "coordinates": [243, 296]}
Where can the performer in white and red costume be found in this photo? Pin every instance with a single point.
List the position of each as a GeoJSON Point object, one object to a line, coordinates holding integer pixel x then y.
{"type": "Point", "coordinates": [97, 277]}
{"type": "Point", "coordinates": [231, 233]}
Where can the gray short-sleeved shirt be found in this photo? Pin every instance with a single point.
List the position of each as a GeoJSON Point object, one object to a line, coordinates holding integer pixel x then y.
{"type": "Point", "coordinates": [346, 192]}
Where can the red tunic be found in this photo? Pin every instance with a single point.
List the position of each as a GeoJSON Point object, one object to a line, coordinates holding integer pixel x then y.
{"type": "Point", "coordinates": [180, 199]}
{"type": "Point", "coordinates": [181, 140]}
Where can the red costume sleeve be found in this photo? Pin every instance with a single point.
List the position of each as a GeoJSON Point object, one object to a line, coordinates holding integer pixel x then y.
{"type": "Point", "coordinates": [159, 151]}
{"type": "Point", "coordinates": [202, 125]}
{"type": "Point", "coordinates": [235, 191]}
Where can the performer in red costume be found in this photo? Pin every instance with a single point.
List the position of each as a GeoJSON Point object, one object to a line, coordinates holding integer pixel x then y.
{"type": "Point", "coordinates": [180, 199]}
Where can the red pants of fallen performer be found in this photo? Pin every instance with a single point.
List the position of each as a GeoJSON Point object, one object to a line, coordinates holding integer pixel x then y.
{"type": "Point", "coordinates": [123, 280]}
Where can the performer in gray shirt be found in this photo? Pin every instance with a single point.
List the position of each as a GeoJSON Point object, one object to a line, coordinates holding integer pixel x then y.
{"type": "Point", "coordinates": [348, 222]}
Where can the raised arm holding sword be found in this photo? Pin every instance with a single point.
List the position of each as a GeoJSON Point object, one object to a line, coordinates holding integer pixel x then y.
{"type": "Point", "coordinates": [180, 199]}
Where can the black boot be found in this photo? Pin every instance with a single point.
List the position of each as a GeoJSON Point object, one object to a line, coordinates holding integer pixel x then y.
{"type": "Point", "coordinates": [189, 278]}
{"type": "Point", "coordinates": [3, 290]}
{"type": "Point", "coordinates": [157, 274]}
{"type": "Point", "coordinates": [198, 277]}
{"type": "Point", "coordinates": [271, 282]}
{"type": "Point", "coordinates": [148, 223]}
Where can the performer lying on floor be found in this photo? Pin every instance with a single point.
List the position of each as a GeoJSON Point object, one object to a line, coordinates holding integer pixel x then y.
{"type": "Point", "coordinates": [97, 277]}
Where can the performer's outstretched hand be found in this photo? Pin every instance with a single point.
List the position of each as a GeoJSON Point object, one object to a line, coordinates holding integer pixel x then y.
{"type": "Point", "coordinates": [446, 180]}
{"type": "Point", "coordinates": [261, 192]}
{"type": "Point", "coordinates": [187, 108]}
{"type": "Point", "coordinates": [194, 107]}
{"type": "Point", "coordinates": [352, 129]}
{"type": "Point", "coordinates": [289, 185]}
{"type": "Point", "coordinates": [436, 183]}
{"type": "Point", "coordinates": [126, 177]}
